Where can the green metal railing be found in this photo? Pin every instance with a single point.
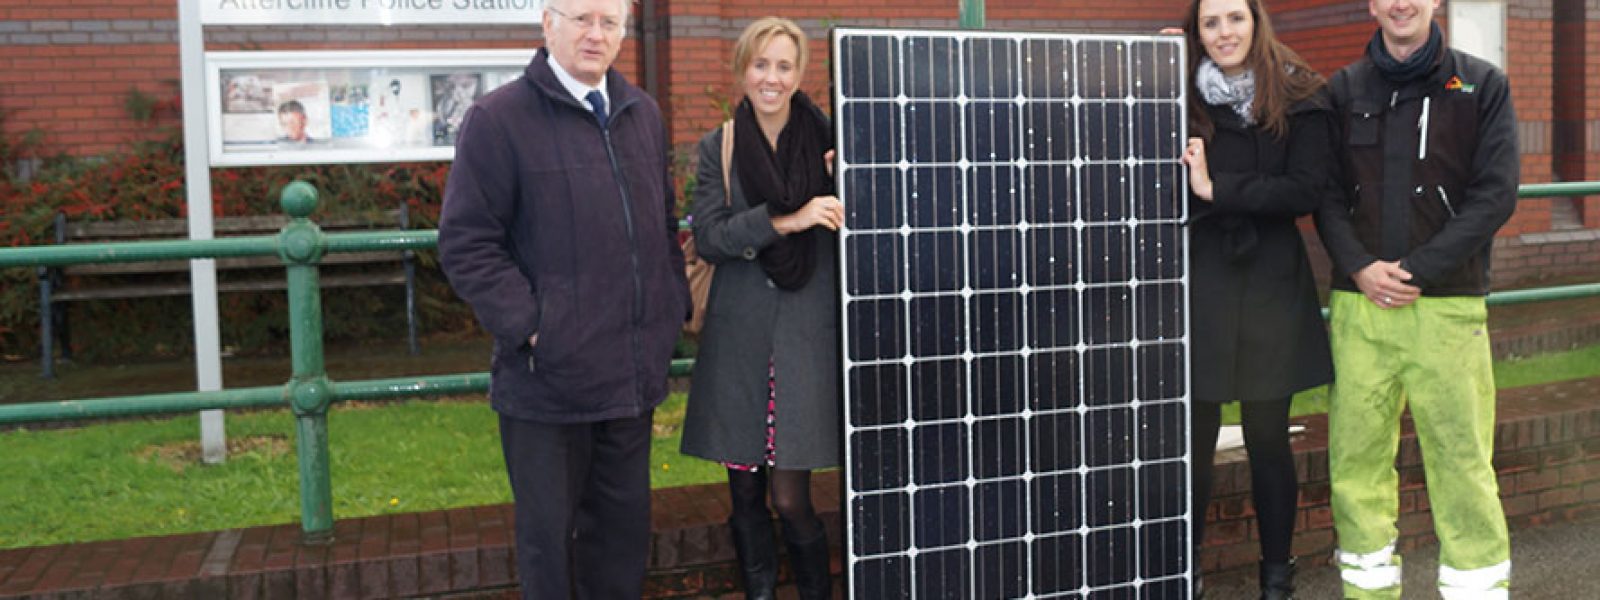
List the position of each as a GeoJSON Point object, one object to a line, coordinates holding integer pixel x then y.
{"type": "Point", "coordinates": [309, 392]}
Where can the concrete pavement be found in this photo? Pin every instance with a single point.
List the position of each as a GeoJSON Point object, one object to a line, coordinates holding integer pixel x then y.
{"type": "Point", "coordinates": [1547, 563]}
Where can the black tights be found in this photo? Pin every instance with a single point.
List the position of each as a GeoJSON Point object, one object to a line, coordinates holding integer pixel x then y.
{"type": "Point", "coordinates": [1274, 486]}
{"type": "Point", "coordinates": [791, 499]}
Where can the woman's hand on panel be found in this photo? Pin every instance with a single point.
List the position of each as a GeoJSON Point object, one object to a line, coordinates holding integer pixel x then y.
{"type": "Point", "coordinates": [1194, 156]}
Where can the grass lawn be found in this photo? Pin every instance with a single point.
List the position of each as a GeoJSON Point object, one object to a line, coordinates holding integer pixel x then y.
{"type": "Point", "coordinates": [1516, 372]}
{"type": "Point", "coordinates": [138, 478]}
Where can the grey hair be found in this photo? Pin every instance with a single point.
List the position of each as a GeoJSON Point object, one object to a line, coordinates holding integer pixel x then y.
{"type": "Point", "coordinates": [627, 8]}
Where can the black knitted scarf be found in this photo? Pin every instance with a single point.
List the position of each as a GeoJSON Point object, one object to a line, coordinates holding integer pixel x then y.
{"type": "Point", "coordinates": [784, 180]}
{"type": "Point", "coordinates": [1415, 66]}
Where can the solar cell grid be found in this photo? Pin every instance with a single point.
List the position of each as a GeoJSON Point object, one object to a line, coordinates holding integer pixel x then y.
{"type": "Point", "coordinates": [1014, 308]}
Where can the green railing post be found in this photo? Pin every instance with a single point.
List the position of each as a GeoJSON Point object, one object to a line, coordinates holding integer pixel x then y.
{"type": "Point", "coordinates": [301, 245]}
{"type": "Point", "coordinates": [972, 16]}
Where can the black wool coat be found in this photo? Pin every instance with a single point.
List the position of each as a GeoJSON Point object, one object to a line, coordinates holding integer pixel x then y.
{"type": "Point", "coordinates": [1255, 320]}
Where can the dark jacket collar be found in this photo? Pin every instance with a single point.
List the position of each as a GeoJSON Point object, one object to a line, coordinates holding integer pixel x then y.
{"type": "Point", "coordinates": [539, 75]}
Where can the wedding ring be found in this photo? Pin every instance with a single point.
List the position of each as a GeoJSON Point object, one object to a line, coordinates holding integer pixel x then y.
{"type": "Point", "coordinates": [1388, 300]}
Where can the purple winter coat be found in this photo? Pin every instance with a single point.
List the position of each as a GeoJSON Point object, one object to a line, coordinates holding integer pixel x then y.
{"type": "Point", "coordinates": [553, 225]}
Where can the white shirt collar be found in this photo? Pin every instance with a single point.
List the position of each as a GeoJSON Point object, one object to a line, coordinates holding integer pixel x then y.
{"type": "Point", "coordinates": [578, 89]}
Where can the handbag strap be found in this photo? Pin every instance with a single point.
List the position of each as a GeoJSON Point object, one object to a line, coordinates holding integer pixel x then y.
{"type": "Point", "coordinates": [727, 158]}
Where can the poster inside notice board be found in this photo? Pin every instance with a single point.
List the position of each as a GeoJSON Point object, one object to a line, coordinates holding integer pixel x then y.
{"type": "Point", "coordinates": [271, 108]}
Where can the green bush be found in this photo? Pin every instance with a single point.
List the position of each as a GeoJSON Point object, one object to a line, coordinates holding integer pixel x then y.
{"type": "Point", "coordinates": [146, 181]}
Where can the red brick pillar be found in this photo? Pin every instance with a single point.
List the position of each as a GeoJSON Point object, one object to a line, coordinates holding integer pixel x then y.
{"type": "Point", "coordinates": [1530, 68]}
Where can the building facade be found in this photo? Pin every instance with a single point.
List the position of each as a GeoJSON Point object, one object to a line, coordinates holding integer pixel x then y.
{"type": "Point", "coordinates": [68, 67]}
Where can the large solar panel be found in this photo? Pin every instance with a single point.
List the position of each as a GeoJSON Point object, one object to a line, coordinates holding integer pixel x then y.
{"type": "Point", "coordinates": [1014, 314]}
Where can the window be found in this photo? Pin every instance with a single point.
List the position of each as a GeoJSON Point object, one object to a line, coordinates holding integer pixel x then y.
{"type": "Point", "coordinates": [1478, 27]}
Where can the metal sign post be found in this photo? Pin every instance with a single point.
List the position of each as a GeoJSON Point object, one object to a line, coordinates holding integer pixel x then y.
{"type": "Point", "coordinates": [202, 272]}
{"type": "Point", "coordinates": [201, 102]}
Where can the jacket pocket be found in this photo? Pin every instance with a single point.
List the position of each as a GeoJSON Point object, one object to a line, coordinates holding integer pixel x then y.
{"type": "Point", "coordinates": [1365, 120]}
{"type": "Point", "coordinates": [1444, 198]}
{"type": "Point", "coordinates": [553, 331]}
{"type": "Point", "coordinates": [1430, 210]}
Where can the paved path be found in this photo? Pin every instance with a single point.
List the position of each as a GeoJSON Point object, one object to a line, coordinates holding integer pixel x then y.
{"type": "Point", "coordinates": [1553, 562]}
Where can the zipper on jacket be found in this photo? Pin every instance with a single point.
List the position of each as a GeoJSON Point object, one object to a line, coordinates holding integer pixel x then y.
{"type": "Point", "coordinates": [1451, 208]}
{"type": "Point", "coordinates": [1422, 128]}
{"type": "Point", "coordinates": [627, 222]}
{"type": "Point", "coordinates": [1394, 97]}
{"type": "Point", "coordinates": [1352, 209]}
{"type": "Point", "coordinates": [633, 255]}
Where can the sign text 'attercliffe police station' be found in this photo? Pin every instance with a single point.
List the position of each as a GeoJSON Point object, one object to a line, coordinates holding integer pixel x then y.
{"type": "Point", "coordinates": [367, 12]}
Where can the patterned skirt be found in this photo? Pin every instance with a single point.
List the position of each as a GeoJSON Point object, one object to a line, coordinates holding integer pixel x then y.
{"type": "Point", "coordinates": [770, 459]}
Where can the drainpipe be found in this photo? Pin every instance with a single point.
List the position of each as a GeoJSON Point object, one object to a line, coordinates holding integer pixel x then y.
{"type": "Point", "coordinates": [649, 50]}
{"type": "Point", "coordinates": [972, 14]}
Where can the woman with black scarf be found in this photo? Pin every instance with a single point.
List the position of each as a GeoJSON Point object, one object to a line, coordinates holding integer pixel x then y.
{"type": "Point", "coordinates": [765, 399]}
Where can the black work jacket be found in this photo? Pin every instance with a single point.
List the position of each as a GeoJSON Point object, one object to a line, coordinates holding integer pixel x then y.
{"type": "Point", "coordinates": [1431, 172]}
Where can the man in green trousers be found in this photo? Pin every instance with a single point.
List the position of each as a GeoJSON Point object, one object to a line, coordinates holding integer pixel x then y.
{"type": "Point", "coordinates": [1431, 172]}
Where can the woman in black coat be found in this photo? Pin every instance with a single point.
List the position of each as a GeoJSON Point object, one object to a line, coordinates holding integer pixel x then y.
{"type": "Point", "coordinates": [766, 400]}
{"type": "Point", "coordinates": [1264, 156]}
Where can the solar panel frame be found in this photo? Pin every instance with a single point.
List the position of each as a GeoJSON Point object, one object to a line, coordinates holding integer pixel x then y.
{"type": "Point", "coordinates": [926, 369]}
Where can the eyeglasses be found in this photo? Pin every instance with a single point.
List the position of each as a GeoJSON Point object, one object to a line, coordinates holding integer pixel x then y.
{"type": "Point", "coordinates": [607, 25]}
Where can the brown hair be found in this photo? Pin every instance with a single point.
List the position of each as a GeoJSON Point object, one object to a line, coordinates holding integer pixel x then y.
{"type": "Point", "coordinates": [759, 33]}
{"type": "Point", "coordinates": [1282, 77]}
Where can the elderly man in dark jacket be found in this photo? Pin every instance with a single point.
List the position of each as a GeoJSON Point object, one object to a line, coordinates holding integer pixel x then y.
{"type": "Point", "coordinates": [1430, 143]}
{"type": "Point", "coordinates": [558, 230]}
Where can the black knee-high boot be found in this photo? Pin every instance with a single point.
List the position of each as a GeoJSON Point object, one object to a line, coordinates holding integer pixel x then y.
{"type": "Point", "coordinates": [809, 559]}
{"type": "Point", "coordinates": [758, 555]}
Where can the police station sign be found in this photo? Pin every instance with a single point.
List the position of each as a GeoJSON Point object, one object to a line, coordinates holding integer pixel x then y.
{"type": "Point", "coordinates": [367, 12]}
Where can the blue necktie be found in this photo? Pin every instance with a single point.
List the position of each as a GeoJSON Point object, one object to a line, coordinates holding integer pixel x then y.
{"type": "Point", "coordinates": [599, 103]}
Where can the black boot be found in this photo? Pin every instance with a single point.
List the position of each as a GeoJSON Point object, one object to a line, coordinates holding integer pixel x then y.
{"type": "Point", "coordinates": [809, 559]}
{"type": "Point", "coordinates": [758, 556]}
{"type": "Point", "coordinates": [1277, 580]}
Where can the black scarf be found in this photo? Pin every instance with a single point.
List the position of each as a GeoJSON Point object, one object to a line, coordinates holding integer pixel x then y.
{"type": "Point", "coordinates": [1416, 66]}
{"type": "Point", "coordinates": [785, 180]}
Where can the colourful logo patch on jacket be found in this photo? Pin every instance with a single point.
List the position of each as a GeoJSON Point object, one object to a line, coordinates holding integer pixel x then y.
{"type": "Point", "coordinates": [1456, 85]}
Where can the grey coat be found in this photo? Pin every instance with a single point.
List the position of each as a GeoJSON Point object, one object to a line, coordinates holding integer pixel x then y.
{"type": "Point", "coordinates": [749, 321]}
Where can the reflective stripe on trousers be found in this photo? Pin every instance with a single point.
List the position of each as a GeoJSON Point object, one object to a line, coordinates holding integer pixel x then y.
{"type": "Point", "coordinates": [1487, 583]}
{"type": "Point", "coordinates": [1374, 574]}
{"type": "Point", "coordinates": [1433, 357]}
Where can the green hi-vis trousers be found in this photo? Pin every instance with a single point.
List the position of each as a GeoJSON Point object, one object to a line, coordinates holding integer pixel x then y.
{"type": "Point", "coordinates": [1434, 356]}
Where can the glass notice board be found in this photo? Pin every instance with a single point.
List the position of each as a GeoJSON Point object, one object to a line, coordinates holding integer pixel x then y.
{"type": "Point", "coordinates": [304, 107]}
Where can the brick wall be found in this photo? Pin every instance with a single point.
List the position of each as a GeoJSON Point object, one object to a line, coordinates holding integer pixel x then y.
{"type": "Point", "coordinates": [1530, 67]}
{"type": "Point", "coordinates": [1329, 34]}
{"type": "Point", "coordinates": [1543, 257]}
{"type": "Point", "coordinates": [66, 68]}
{"type": "Point", "coordinates": [1547, 456]}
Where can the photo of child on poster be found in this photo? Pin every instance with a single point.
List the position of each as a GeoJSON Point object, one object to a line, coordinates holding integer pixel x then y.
{"type": "Point", "coordinates": [303, 113]}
